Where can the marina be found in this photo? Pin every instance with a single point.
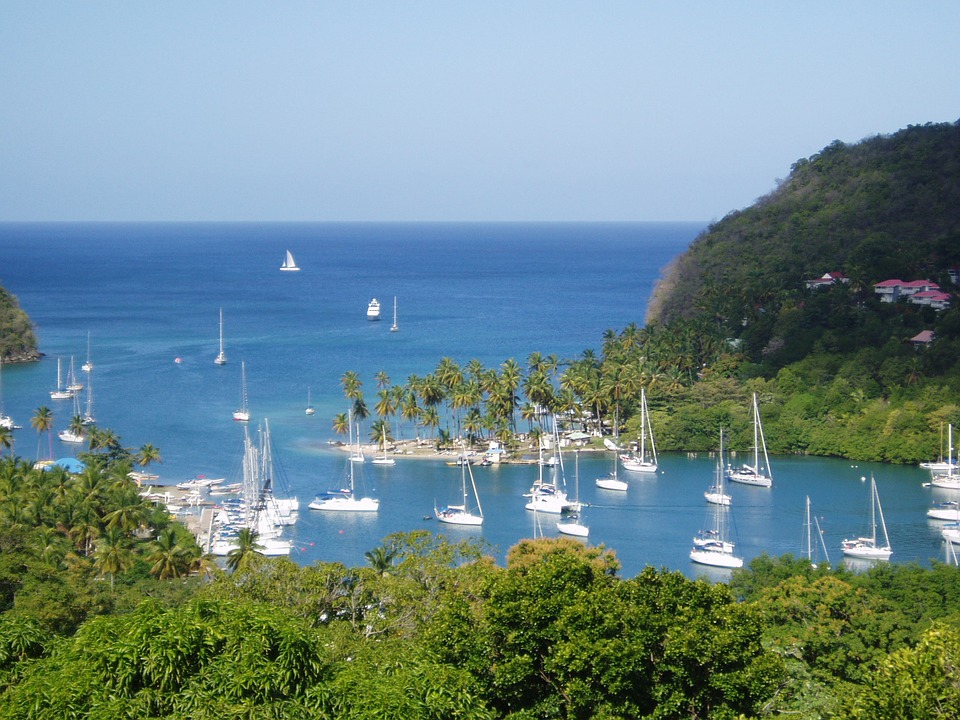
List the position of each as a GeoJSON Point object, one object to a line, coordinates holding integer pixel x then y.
{"type": "Point", "coordinates": [157, 381]}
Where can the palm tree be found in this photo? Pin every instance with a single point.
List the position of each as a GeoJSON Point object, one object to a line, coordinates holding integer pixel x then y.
{"type": "Point", "coordinates": [42, 422]}
{"type": "Point", "coordinates": [351, 384]}
{"type": "Point", "coordinates": [6, 439]}
{"type": "Point", "coordinates": [169, 557]}
{"type": "Point", "coordinates": [247, 551]}
{"type": "Point", "coordinates": [113, 554]}
{"type": "Point", "coordinates": [341, 424]}
{"type": "Point", "coordinates": [148, 454]}
{"type": "Point", "coordinates": [380, 559]}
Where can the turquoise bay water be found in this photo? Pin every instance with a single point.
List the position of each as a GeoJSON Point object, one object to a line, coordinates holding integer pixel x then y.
{"type": "Point", "coordinates": [149, 294]}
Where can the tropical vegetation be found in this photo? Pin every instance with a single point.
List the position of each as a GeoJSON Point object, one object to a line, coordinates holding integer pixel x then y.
{"type": "Point", "coordinates": [18, 343]}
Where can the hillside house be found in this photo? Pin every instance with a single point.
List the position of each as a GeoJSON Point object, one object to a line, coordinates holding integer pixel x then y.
{"type": "Point", "coordinates": [893, 290]}
{"type": "Point", "coordinates": [830, 278]}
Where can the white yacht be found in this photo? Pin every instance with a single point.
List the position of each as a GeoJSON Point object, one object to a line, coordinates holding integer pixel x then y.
{"type": "Point", "coordinates": [373, 310]}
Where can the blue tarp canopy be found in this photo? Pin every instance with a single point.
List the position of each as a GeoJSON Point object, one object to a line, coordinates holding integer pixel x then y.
{"type": "Point", "coordinates": [71, 465]}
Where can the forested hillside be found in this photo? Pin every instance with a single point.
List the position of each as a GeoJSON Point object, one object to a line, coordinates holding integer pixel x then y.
{"type": "Point", "coordinates": [17, 341]}
{"type": "Point", "coordinates": [887, 207]}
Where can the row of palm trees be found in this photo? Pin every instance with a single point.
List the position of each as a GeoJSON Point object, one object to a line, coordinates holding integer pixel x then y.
{"type": "Point", "coordinates": [597, 393]}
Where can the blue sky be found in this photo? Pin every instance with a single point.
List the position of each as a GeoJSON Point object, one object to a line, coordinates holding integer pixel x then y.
{"type": "Point", "coordinates": [482, 110]}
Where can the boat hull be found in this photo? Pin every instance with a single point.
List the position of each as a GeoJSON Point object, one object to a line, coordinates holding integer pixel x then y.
{"type": "Point", "coordinates": [573, 528]}
{"type": "Point", "coordinates": [611, 484]}
{"type": "Point", "coordinates": [715, 558]}
{"type": "Point", "coordinates": [865, 550]}
{"type": "Point", "coordinates": [458, 517]}
{"type": "Point", "coordinates": [345, 504]}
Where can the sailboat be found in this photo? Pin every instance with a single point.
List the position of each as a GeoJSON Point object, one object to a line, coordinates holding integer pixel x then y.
{"type": "Point", "coordinates": [711, 547]}
{"type": "Point", "coordinates": [941, 465]}
{"type": "Point", "coordinates": [309, 410]}
{"type": "Point", "coordinates": [950, 479]}
{"type": "Point", "coordinates": [356, 452]}
{"type": "Point", "coordinates": [345, 498]}
{"type": "Point", "coordinates": [462, 514]}
{"type": "Point", "coordinates": [867, 548]}
{"type": "Point", "coordinates": [755, 474]}
{"type": "Point", "coordinates": [383, 459]}
{"type": "Point", "coordinates": [611, 481]}
{"type": "Point", "coordinates": [243, 413]}
{"type": "Point", "coordinates": [715, 494]}
{"type": "Point", "coordinates": [394, 328]}
{"type": "Point", "coordinates": [808, 547]}
{"type": "Point", "coordinates": [88, 417]}
{"type": "Point", "coordinates": [549, 497]}
{"type": "Point", "coordinates": [572, 524]}
{"type": "Point", "coordinates": [61, 393]}
{"type": "Point", "coordinates": [646, 460]}
{"type": "Point", "coordinates": [88, 365]}
{"type": "Point", "coordinates": [6, 422]}
{"type": "Point", "coordinates": [73, 385]}
{"type": "Point", "coordinates": [69, 435]}
{"type": "Point", "coordinates": [221, 356]}
{"type": "Point", "coordinates": [289, 264]}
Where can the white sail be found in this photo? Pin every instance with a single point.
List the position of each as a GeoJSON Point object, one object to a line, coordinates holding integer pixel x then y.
{"type": "Point", "coordinates": [289, 264]}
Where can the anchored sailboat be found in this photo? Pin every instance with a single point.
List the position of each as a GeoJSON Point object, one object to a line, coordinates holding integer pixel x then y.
{"type": "Point", "coordinates": [646, 460]}
{"type": "Point", "coordinates": [755, 474]}
{"type": "Point", "coordinates": [462, 514]}
{"type": "Point", "coordinates": [243, 413]}
{"type": "Point", "coordinates": [221, 356]}
{"type": "Point", "coordinates": [867, 548]}
{"type": "Point", "coordinates": [393, 328]}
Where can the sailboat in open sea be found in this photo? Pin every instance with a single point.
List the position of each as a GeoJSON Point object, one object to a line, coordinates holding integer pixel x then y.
{"type": "Point", "coordinates": [289, 264]}
{"type": "Point", "coordinates": [242, 414]}
{"type": "Point", "coordinates": [221, 356]}
{"type": "Point", "coordinates": [394, 328]}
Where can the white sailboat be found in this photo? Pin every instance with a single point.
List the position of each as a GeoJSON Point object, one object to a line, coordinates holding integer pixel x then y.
{"type": "Point", "coordinates": [573, 524]}
{"type": "Point", "coordinates": [711, 547]}
{"type": "Point", "coordinates": [242, 414]}
{"type": "Point", "coordinates": [550, 497]}
{"type": "Point", "coordinates": [394, 328]}
{"type": "Point", "coordinates": [88, 416]}
{"type": "Point", "coordinates": [88, 365]}
{"type": "Point", "coordinates": [383, 459]}
{"type": "Point", "coordinates": [611, 481]}
{"type": "Point", "coordinates": [345, 499]}
{"type": "Point", "coordinates": [69, 435]}
{"type": "Point", "coordinates": [73, 385]}
{"type": "Point", "coordinates": [61, 393]}
{"type": "Point", "coordinates": [809, 550]}
{"type": "Point", "coordinates": [867, 548]}
{"type": "Point", "coordinates": [356, 452]}
{"type": "Point", "coordinates": [951, 533]}
{"type": "Point", "coordinates": [462, 514]}
{"type": "Point", "coordinates": [941, 465]}
{"type": "Point", "coordinates": [373, 310]}
{"type": "Point", "coordinates": [715, 494]}
{"type": "Point", "coordinates": [950, 478]}
{"type": "Point", "coordinates": [309, 409]}
{"type": "Point", "coordinates": [6, 422]}
{"type": "Point", "coordinates": [646, 460]}
{"type": "Point", "coordinates": [756, 474]}
{"type": "Point", "coordinates": [221, 356]}
{"type": "Point", "coordinates": [289, 264]}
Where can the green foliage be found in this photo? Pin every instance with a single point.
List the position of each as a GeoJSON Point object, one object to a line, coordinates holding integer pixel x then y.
{"type": "Point", "coordinates": [18, 342]}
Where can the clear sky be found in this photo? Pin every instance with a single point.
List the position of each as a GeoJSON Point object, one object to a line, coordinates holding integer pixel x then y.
{"type": "Point", "coordinates": [447, 110]}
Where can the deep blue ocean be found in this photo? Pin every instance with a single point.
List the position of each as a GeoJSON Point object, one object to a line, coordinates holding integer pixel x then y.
{"type": "Point", "coordinates": [149, 294]}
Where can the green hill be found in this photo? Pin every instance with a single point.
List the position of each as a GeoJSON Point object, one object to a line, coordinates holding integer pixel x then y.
{"type": "Point", "coordinates": [17, 340]}
{"type": "Point", "coordinates": [887, 207]}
